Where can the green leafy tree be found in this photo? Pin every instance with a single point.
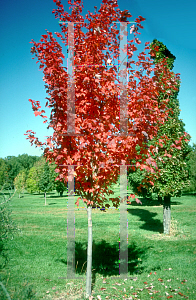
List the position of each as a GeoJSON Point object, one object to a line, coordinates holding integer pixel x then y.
{"type": "Point", "coordinates": [60, 187]}
{"type": "Point", "coordinates": [14, 168]}
{"type": "Point", "coordinates": [35, 175]}
{"type": "Point", "coordinates": [191, 163]}
{"type": "Point", "coordinates": [32, 182]}
{"type": "Point", "coordinates": [15, 165]}
{"type": "Point", "coordinates": [46, 180]}
{"type": "Point", "coordinates": [19, 183]}
{"type": "Point", "coordinates": [171, 151]}
{"type": "Point", "coordinates": [39, 165]}
{"type": "Point", "coordinates": [27, 162]}
{"type": "Point", "coordinates": [3, 172]}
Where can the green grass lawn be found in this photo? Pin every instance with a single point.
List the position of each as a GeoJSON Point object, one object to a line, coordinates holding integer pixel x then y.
{"type": "Point", "coordinates": [160, 266]}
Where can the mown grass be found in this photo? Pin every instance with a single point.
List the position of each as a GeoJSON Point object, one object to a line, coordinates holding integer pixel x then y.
{"type": "Point", "coordinates": [160, 266]}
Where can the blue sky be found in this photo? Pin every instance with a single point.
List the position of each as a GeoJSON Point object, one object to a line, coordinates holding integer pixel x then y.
{"type": "Point", "coordinates": [172, 22]}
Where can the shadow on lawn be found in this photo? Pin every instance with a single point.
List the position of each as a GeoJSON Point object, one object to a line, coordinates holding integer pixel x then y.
{"type": "Point", "coordinates": [64, 196]}
{"type": "Point", "coordinates": [105, 258]}
{"type": "Point", "coordinates": [149, 202]}
{"type": "Point", "coordinates": [146, 216]}
{"type": "Point", "coordinates": [57, 196]}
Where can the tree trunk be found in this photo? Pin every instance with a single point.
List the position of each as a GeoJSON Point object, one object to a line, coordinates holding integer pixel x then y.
{"type": "Point", "coordinates": [45, 198]}
{"type": "Point", "coordinates": [166, 215]}
{"type": "Point", "coordinates": [61, 193]}
{"type": "Point", "coordinates": [160, 200]}
{"type": "Point", "coordinates": [89, 252]}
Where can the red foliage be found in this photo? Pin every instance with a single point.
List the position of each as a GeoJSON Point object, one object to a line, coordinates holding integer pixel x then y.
{"type": "Point", "coordinates": [99, 151]}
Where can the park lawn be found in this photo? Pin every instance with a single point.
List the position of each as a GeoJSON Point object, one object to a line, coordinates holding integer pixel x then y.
{"type": "Point", "coordinates": [159, 266]}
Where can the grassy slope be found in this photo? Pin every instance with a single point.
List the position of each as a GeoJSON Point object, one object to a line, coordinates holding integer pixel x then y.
{"type": "Point", "coordinates": [38, 254]}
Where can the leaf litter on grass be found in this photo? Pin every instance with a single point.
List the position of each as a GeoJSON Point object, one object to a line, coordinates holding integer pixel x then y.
{"type": "Point", "coordinates": [153, 287]}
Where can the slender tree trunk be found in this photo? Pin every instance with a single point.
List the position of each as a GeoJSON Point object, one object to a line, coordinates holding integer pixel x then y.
{"type": "Point", "coordinates": [45, 198]}
{"type": "Point", "coordinates": [160, 200]}
{"type": "Point", "coordinates": [89, 252]}
{"type": "Point", "coordinates": [61, 193]}
{"type": "Point", "coordinates": [166, 215]}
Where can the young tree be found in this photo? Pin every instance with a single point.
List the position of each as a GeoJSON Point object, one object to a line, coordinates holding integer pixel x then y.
{"type": "Point", "coordinates": [19, 182]}
{"type": "Point", "coordinates": [32, 182]}
{"type": "Point", "coordinates": [171, 148]}
{"type": "Point", "coordinates": [35, 175]}
{"type": "Point", "coordinates": [96, 144]}
{"type": "Point", "coordinates": [46, 180]}
{"type": "Point", "coordinates": [60, 187]}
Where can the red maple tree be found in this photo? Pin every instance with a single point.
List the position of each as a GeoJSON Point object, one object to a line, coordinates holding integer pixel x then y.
{"type": "Point", "coordinates": [98, 147]}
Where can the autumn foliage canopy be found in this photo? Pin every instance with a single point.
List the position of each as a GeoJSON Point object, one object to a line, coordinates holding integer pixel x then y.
{"type": "Point", "coordinates": [98, 149]}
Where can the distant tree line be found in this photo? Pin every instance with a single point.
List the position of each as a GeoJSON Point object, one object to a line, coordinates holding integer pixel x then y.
{"type": "Point", "coordinates": [11, 166]}
{"type": "Point", "coordinates": [30, 173]}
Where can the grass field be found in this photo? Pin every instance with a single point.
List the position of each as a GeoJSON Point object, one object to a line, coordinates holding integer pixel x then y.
{"type": "Point", "coordinates": [160, 266]}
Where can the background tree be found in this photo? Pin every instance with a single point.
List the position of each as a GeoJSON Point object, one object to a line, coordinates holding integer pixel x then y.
{"type": "Point", "coordinates": [100, 150]}
{"type": "Point", "coordinates": [32, 182]}
{"type": "Point", "coordinates": [27, 162]}
{"type": "Point", "coordinates": [171, 147]}
{"type": "Point", "coordinates": [15, 165]}
{"type": "Point", "coordinates": [3, 172]}
{"type": "Point", "coordinates": [14, 168]}
{"type": "Point", "coordinates": [191, 164]}
{"type": "Point", "coordinates": [35, 174]}
{"type": "Point", "coordinates": [60, 187]}
{"type": "Point", "coordinates": [19, 183]}
{"type": "Point", "coordinates": [46, 180]}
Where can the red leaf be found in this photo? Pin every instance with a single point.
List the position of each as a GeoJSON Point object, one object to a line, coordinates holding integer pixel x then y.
{"type": "Point", "coordinates": [141, 18]}
{"type": "Point", "coordinates": [77, 202]}
{"type": "Point", "coordinates": [138, 201]}
{"type": "Point", "coordinates": [37, 113]}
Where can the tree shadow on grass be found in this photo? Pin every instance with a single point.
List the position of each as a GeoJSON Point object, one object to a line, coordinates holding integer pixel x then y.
{"type": "Point", "coordinates": [146, 216]}
{"type": "Point", "coordinates": [58, 197]}
{"type": "Point", "coordinates": [189, 194]}
{"type": "Point", "coordinates": [105, 260]}
{"type": "Point", "coordinates": [150, 202]}
{"type": "Point", "coordinates": [64, 196]}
